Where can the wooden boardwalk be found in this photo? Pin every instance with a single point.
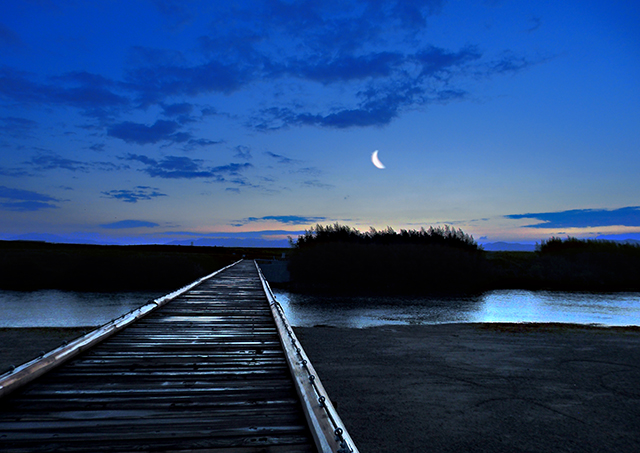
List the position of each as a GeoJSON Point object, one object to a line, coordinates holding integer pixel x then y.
{"type": "Point", "coordinates": [205, 372]}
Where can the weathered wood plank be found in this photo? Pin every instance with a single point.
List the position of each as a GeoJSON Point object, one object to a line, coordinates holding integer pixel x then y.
{"type": "Point", "coordinates": [205, 372]}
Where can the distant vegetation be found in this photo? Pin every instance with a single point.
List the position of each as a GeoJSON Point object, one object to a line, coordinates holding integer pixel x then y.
{"type": "Point", "coordinates": [27, 265]}
{"type": "Point", "coordinates": [339, 258]}
{"type": "Point", "coordinates": [588, 264]}
{"type": "Point", "coordinates": [334, 258]}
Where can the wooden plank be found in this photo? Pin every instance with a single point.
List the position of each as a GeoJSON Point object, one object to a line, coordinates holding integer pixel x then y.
{"type": "Point", "coordinates": [205, 372]}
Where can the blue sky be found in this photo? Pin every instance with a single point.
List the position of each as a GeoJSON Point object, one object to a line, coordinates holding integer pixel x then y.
{"type": "Point", "coordinates": [160, 120]}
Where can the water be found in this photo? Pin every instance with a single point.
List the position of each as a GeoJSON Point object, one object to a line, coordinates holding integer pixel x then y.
{"type": "Point", "coordinates": [614, 309]}
{"type": "Point", "coordinates": [53, 308]}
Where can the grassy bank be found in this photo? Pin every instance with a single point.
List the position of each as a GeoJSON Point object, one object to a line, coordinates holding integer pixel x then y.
{"type": "Point", "coordinates": [26, 265]}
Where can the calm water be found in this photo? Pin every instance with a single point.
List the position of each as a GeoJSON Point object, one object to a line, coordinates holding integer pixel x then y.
{"type": "Point", "coordinates": [53, 308]}
{"type": "Point", "coordinates": [67, 308]}
{"type": "Point", "coordinates": [613, 309]}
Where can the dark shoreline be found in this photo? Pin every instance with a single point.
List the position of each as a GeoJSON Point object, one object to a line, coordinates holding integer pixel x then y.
{"type": "Point", "coordinates": [600, 267]}
{"type": "Point", "coordinates": [494, 387]}
{"type": "Point", "coordinates": [27, 266]}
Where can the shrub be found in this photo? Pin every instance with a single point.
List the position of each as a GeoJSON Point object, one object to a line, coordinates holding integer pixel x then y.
{"type": "Point", "coordinates": [341, 258]}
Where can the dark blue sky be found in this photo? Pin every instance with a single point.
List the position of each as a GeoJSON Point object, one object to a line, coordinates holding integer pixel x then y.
{"type": "Point", "coordinates": [151, 121]}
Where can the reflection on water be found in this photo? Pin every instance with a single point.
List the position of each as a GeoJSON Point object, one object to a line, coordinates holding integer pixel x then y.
{"type": "Point", "coordinates": [53, 308]}
{"type": "Point", "coordinates": [68, 309]}
{"type": "Point", "coordinates": [612, 309]}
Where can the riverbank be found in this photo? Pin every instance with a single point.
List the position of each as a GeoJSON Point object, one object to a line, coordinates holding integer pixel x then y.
{"type": "Point", "coordinates": [483, 387]}
{"type": "Point", "coordinates": [464, 387]}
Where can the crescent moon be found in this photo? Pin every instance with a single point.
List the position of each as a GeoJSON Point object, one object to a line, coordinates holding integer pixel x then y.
{"type": "Point", "coordinates": [376, 161]}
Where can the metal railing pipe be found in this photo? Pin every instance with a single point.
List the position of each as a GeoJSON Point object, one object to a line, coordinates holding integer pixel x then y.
{"type": "Point", "coordinates": [327, 428]}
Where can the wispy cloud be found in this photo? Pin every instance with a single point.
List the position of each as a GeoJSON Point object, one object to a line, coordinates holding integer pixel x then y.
{"type": "Point", "coordinates": [126, 224]}
{"type": "Point", "coordinates": [584, 218]}
{"type": "Point", "coordinates": [142, 134]}
{"type": "Point", "coordinates": [98, 147]}
{"type": "Point", "coordinates": [180, 167]}
{"type": "Point", "coordinates": [536, 23]}
{"type": "Point", "coordinates": [16, 127]}
{"type": "Point", "coordinates": [285, 219]}
{"type": "Point", "coordinates": [317, 183]}
{"type": "Point", "coordinates": [243, 152]}
{"type": "Point", "coordinates": [194, 143]}
{"type": "Point", "coordinates": [50, 161]}
{"type": "Point", "coordinates": [280, 158]}
{"type": "Point", "coordinates": [134, 195]}
{"type": "Point", "coordinates": [46, 160]}
{"type": "Point", "coordinates": [93, 94]}
{"type": "Point", "coordinates": [25, 200]}
{"type": "Point", "coordinates": [166, 131]}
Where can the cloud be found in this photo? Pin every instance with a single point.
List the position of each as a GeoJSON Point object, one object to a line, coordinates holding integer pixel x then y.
{"type": "Point", "coordinates": [142, 134]}
{"type": "Point", "coordinates": [352, 46]}
{"type": "Point", "coordinates": [280, 158]}
{"type": "Point", "coordinates": [89, 92]}
{"type": "Point", "coordinates": [536, 23]}
{"type": "Point", "coordinates": [286, 219]}
{"type": "Point", "coordinates": [347, 67]}
{"type": "Point", "coordinates": [124, 224]}
{"type": "Point", "coordinates": [16, 127]}
{"type": "Point", "coordinates": [243, 152]}
{"type": "Point", "coordinates": [160, 131]}
{"type": "Point", "coordinates": [133, 196]}
{"type": "Point", "coordinates": [508, 63]}
{"type": "Point", "coordinates": [14, 172]}
{"type": "Point", "coordinates": [317, 183]}
{"type": "Point", "coordinates": [46, 160]}
{"type": "Point", "coordinates": [97, 147]}
{"type": "Point", "coordinates": [24, 200]}
{"type": "Point", "coordinates": [173, 167]}
{"type": "Point", "coordinates": [175, 11]}
{"type": "Point", "coordinates": [51, 161]}
{"type": "Point", "coordinates": [154, 83]}
{"type": "Point", "coordinates": [232, 169]}
{"type": "Point", "coordinates": [367, 115]}
{"type": "Point", "coordinates": [360, 63]}
{"type": "Point", "coordinates": [406, 81]}
{"type": "Point", "coordinates": [179, 167]}
{"type": "Point", "coordinates": [173, 110]}
{"type": "Point", "coordinates": [9, 38]}
{"type": "Point", "coordinates": [584, 218]}
{"type": "Point", "coordinates": [194, 143]}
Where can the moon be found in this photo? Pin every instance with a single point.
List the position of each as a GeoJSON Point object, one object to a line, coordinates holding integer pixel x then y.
{"type": "Point", "coordinates": [376, 161]}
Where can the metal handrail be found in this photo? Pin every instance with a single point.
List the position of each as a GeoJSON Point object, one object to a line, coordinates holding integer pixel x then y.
{"type": "Point", "coordinates": [327, 428]}
{"type": "Point", "coordinates": [29, 371]}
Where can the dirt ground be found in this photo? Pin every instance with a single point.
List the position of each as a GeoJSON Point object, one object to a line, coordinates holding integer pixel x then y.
{"type": "Point", "coordinates": [482, 388]}
{"type": "Point", "coordinates": [461, 387]}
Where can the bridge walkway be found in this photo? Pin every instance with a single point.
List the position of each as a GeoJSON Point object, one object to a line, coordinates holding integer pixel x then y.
{"type": "Point", "coordinates": [205, 372]}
